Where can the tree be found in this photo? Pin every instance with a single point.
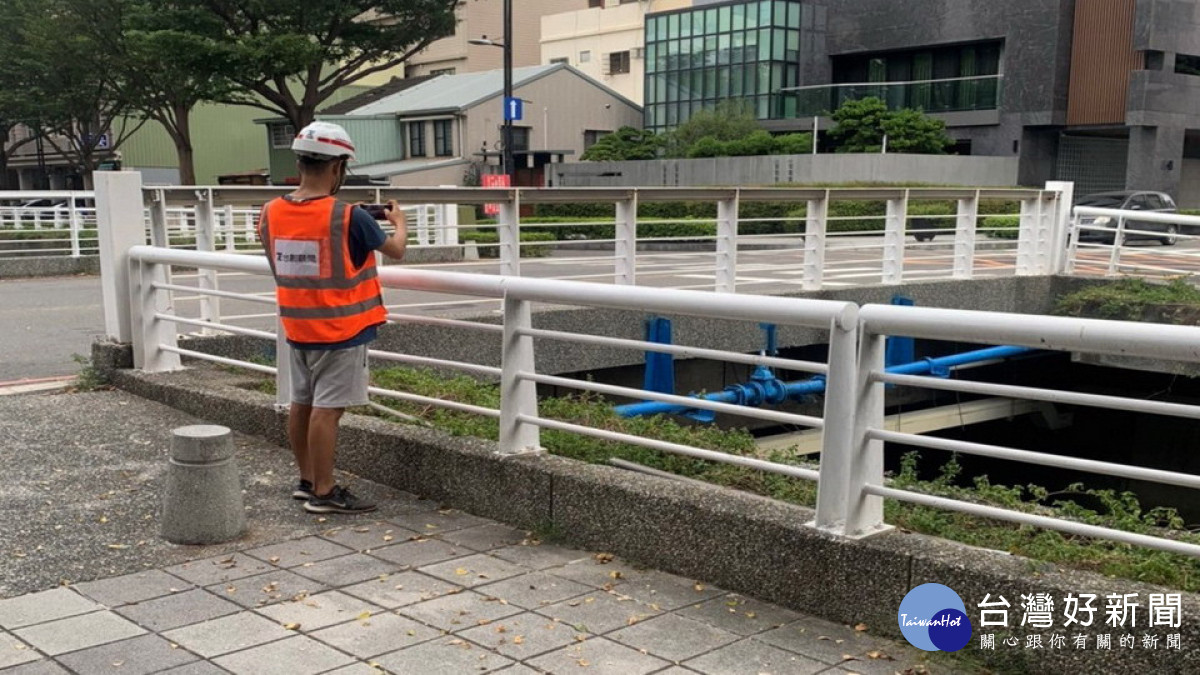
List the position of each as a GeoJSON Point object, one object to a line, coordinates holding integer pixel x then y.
{"type": "Point", "coordinates": [289, 57]}
{"type": "Point", "coordinates": [758, 143]}
{"type": "Point", "coordinates": [165, 58]}
{"type": "Point", "coordinates": [860, 126]}
{"type": "Point", "coordinates": [625, 143]}
{"type": "Point", "coordinates": [730, 120]}
{"type": "Point", "coordinates": [15, 103]}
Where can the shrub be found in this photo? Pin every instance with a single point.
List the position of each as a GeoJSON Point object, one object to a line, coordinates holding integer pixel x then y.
{"type": "Point", "coordinates": [1001, 227]}
{"type": "Point", "coordinates": [491, 237]}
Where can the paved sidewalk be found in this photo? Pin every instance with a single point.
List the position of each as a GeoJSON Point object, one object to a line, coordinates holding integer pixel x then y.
{"type": "Point", "coordinates": [413, 588]}
{"type": "Point", "coordinates": [430, 592]}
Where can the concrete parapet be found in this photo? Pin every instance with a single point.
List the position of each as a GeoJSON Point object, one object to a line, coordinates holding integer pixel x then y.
{"type": "Point", "coordinates": [202, 501]}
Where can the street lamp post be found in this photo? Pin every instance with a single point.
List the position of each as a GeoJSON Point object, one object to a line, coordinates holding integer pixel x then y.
{"type": "Point", "coordinates": [508, 164]}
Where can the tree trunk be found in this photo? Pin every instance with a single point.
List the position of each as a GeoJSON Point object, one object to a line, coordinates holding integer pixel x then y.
{"type": "Point", "coordinates": [183, 145]}
{"type": "Point", "coordinates": [4, 171]}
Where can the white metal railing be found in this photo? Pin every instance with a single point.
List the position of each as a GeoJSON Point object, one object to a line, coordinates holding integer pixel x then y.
{"type": "Point", "coordinates": [850, 478]}
{"type": "Point", "coordinates": [1107, 242]}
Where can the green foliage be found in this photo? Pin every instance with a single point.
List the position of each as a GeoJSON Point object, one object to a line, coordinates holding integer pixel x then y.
{"type": "Point", "coordinates": [89, 377]}
{"type": "Point", "coordinates": [756, 143]}
{"type": "Point", "coordinates": [624, 144]}
{"type": "Point", "coordinates": [861, 124]}
{"type": "Point", "coordinates": [1001, 227]}
{"type": "Point", "coordinates": [1126, 299]}
{"type": "Point", "coordinates": [488, 238]}
{"type": "Point", "coordinates": [730, 120]}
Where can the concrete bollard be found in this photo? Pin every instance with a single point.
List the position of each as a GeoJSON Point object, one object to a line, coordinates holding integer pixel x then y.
{"type": "Point", "coordinates": [203, 499]}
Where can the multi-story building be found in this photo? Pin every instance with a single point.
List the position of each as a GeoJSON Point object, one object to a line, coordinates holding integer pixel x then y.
{"type": "Point", "coordinates": [604, 41]}
{"type": "Point", "coordinates": [477, 18]}
{"type": "Point", "coordinates": [1102, 92]}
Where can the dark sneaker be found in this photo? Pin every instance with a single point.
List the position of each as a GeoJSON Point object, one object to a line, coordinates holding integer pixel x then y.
{"type": "Point", "coordinates": [339, 500]}
{"type": "Point", "coordinates": [304, 490]}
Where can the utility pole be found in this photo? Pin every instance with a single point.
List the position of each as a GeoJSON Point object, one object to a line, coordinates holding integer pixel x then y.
{"type": "Point", "coordinates": [510, 167]}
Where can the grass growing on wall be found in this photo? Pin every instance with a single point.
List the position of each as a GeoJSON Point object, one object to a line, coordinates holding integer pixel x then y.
{"type": "Point", "coordinates": [1118, 510]}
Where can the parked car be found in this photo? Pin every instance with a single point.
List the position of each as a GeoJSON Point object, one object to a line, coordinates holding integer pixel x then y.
{"type": "Point", "coordinates": [1128, 200]}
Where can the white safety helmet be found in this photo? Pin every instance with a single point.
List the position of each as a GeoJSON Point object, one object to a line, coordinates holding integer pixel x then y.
{"type": "Point", "coordinates": [323, 140]}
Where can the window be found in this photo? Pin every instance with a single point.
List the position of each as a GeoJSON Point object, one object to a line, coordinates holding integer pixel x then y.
{"type": "Point", "coordinates": [585, 56]}
{"type": "Point", "coordinates": [595, 3]}
{"type": "Point", "coordinates": [561, 59]}
{"type": "Point", "coordinates": [618, 62]}
{"type": "Point", "coordinates": [443, 140]}
{"type": "Point", "coordinates": [520, 136]}
{"type": "Point", "coordinates": [592, 136]}
{"type": "Point", "coordinates": [416, 139]}
{"type": "Point", "coordinates": [441, 71]}
{"type": "Point", "coordinates": [282, 135]}
{"type": "Point", "coordinates": [1186, 64]}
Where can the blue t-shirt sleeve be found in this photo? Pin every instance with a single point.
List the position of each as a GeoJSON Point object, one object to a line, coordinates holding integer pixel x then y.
{"type": "Point", "coordinates": [365, 236]}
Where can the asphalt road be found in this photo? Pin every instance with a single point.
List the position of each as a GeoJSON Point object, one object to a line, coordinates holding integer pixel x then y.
{"type": "Point", "coordinates": [43, 322]}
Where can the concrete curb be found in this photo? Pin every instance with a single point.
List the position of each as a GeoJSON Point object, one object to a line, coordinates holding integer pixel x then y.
{"type": "Point", "coordinates": [48, 266]}
{"type": "Point", "coordinates": [737, 541]}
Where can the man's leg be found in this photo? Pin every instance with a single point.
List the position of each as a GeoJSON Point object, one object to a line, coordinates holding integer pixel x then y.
{"type": "Point", "coordinates": [298, 426]}
{"type": "Point", "coordinates": [322, 441]}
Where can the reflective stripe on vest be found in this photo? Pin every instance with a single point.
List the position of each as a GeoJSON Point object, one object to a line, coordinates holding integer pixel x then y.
{"type": "Point", "coordinates": [320, 301]}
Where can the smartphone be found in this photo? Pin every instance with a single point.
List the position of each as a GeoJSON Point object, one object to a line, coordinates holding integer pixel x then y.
{"type": "Point", "coordinates": [376, 211]}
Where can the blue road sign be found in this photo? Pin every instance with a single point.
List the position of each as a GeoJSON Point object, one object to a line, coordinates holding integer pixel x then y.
{"type": "Point", "coordinates": [513, 109]}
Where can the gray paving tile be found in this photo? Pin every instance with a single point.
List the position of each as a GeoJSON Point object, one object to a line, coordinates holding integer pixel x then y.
{"type": "Point", "coordinates": [457, 612]}
{"type": "Point", "coordinates": [474, 570]}
{"type": "Point", "coordinates": [298, 551]}
{"type": "Point", "coordinates": [319, 611]}
{"type": "Point", "coordinates": [596, 574]}
{"type": "Point", "coordinates": [751, 656]}
{"type": "Point", "coordinates": [485, 537]}
{"type": "Point", "coordinates": [346, 570]}
{"type": "Point", "coordinates": [822, 640]}
{"type": "Point", "coordinates": [43, 667]}
{"type": "Point", "coordinates": [196, 668]}
{"type": "Point", "coordinates": [228, 634]}
{"type": "Point", "coordinates": [401, 589]}
{"type": "Point", "coordinates": [522, 636]}
{"type": "Point", "coordinates": [32, 608]}
{"type": "Point", "coordinates": [219, 569]}
{"type": "Point", "coordinates": [599, 612]}
{"type": "Point", "coordinates": [443, 656]}
{"type": "Point", "coordinates": [433, 522]}
{"type": "Point", "coordinates": [540, 556]}
{"type": "Point", "coordinates": [739, 614]}
{"type": "Point", "coordinates": [534, 590]}
{"type": "Point", "coordinates": [423, 551]}
{"type": "Point", "coordinates": [138, 656]}
{"type": "Point", "coordinates": [676, 670]}
{"type": "Point", "coordinates": [267, 589]}
{"type": "Point", "coordinates": [356, 669]}
{"type": "Point", "coordinates": [14, 651]}
{"type": "Point", "coordinates": [518, 669]}
{"type": "Point", "coordinates": [132, 588]}
{"type": "Point", "coordinates": [178, 610]}
{"type": "Point", "coordinates": [300, 655]}
{"type": "Point", "coordinates": [673, 638]}
{"type": "Point", "coordinates": [598, 656]}
{"type": "Point", "coordinates": [368, 536]}
{"type": "Point", "coordinates": [78, 632]}
{"type": "Point", "coordinates": [380, 634]}
{"type": "Point", "coordinates": [667, 591]}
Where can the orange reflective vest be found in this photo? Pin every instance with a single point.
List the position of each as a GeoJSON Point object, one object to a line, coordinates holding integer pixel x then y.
{"type": "Point", "coordinates": [323, 297]}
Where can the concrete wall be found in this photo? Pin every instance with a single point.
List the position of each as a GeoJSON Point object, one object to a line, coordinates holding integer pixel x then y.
{"type": "Point", "coordinates": [600, 31]}
{"type": "Point", "coordinates": [804, 169]}
{"type": "Point", "coordinates": [48, 266]}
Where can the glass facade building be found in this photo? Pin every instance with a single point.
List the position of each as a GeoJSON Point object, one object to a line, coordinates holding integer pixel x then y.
{"type": "Point", "coordinates": [743, 50]}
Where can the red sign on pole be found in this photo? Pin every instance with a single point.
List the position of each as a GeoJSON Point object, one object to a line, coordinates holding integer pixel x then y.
{"type": "Point", "coordinates": [491, 180]}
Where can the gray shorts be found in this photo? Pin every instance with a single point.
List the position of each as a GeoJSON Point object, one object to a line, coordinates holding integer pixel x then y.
{"type": "Point", "coordinates": [330, 378]}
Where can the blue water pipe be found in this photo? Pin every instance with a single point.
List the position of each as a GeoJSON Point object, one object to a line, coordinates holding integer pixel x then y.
{"type": "Point", "coordinates": [765, 388]}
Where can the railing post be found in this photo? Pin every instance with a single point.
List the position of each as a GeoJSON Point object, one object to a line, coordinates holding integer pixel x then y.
{"type": "Point", "coordinates": [1060, 233]}
{"type": "Point", "coordinates": [230, 235]}
{"type": "Point", "coordinates": [423, 224]}
{"type": "Point", "coordinates": [625, 247]}
{"type": "Point", "coordinates": [966, 227]}
{"type": "Point", "coordinates": [1027, 243]}
{"type": "Point", "coordinates": [449, 228]}
{"type": "Point", "coordinates": [837, 441]}
{"type": "Point", "coordinates": [893, 239]}
{"type": "Point", "coordinates": [814, 243]}
{"type": "Point", "coordinates": [73, 216]}
{"type": "Point", "coordinates": [150, 333]}
{"type": "Point", "coordinates": [510, 235]}
{"type": "Point", "coordinates": [206, 216]}
{"type": "Point", "coordinates": [1118, 242]}
{"type": "Point", "coordinates": [864, 513]}
{"type": "Point", "coordinates": [727, 244]}
{"type": "Point", "coordinates": [120, 226]}
{"type": "Point", "coordinates": [518, 397]}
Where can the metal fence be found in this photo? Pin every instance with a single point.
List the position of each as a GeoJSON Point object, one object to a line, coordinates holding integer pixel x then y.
{"type": "Point", "coordinates": [851, 486]}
